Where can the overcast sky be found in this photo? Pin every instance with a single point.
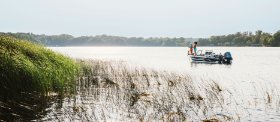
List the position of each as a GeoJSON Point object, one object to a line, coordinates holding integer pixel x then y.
{"type": "Point", "coordinates": [147, 18]}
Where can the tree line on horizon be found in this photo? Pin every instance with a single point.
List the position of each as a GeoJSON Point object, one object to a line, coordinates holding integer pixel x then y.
{"type": "Point", "coordinates": [259, 38]}
{"type": "Point", "coordinates": [100, 40]}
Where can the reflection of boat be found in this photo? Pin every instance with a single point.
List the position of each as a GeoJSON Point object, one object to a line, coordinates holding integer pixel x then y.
{"type": "Point", "coordinates": [210, 57]}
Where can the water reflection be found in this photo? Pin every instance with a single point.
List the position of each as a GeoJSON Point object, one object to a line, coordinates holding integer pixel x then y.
{"type": "Point", "coordinates": [26, 107]}
{"type": "Point", "coordinates": [203, 64]}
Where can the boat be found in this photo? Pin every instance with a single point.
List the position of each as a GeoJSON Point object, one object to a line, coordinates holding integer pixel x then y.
{"type": "Point", "coordinates": [210, 57]}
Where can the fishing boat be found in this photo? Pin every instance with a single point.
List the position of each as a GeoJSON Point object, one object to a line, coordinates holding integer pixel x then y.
{"type": "Point", "coordinates": [210, 57]}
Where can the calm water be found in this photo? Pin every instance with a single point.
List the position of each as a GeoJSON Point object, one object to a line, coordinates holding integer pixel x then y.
{"type": "Point", "coordinates": [254, 73]}
{"type": "Point", "coordinates": [250, 64]}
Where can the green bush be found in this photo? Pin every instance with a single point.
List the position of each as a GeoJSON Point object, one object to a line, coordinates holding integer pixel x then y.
{"type": "Point", "coordinates": [29, 68]}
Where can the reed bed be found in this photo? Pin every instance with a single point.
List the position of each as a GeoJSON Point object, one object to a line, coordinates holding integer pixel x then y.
{"type": "Point", "coordinates": [28, 74]}
{"type": "Point", "coordinates": [114, 91]}
{"type": "Point", "coordinates": [26, 67]}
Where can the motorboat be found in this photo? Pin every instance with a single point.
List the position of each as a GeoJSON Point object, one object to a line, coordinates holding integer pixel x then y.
{"type": "Point", "coordinates": [210, 57]}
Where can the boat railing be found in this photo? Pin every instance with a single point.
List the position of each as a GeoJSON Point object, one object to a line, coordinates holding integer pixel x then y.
{"type": "Point", "coordinates": [199, 52]}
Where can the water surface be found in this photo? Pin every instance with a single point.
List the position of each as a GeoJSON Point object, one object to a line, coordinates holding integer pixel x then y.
{"type": "Point", "coordinates": [253, 76]}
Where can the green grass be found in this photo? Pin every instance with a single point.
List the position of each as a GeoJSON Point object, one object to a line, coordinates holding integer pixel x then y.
{"type": "Point", "coordinates": [29, 68]}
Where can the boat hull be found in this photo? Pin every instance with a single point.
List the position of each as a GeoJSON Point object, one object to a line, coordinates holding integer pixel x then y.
{"type": "Point", "coordinates": [210, 57]}
{"type": "Point", "coordinates": [197, 58]}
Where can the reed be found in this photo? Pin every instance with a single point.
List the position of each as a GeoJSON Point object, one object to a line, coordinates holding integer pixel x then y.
{"type": "Point", "coordinates": [29, 68]}
{"type": "Point", "coordinates": [116, 91]}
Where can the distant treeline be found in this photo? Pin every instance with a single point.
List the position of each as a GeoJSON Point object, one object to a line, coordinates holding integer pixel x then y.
{"type": "Point", "coordinates": [101, 40]}
{"type": "Point", "coordinates": [258, 38]}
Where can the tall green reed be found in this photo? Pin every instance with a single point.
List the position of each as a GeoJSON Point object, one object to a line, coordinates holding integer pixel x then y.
{"type": "Point", "coordinates": [29, 68]}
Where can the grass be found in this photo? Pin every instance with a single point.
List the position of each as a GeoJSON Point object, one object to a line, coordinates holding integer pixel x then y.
{"type": "Point", "coordinates": [113, 90]}
{"type": "Point", "coordinates": [29, 68]}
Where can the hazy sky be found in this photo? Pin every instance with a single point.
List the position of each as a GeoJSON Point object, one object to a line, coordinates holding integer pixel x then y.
{"type": "Point", "coordinates": [156, 18]}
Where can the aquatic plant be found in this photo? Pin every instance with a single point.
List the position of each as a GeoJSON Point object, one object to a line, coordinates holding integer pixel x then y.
{"type": "Point", "coordinates": [116, 91]}
{"type": "Point", "coordinates": [29, 68]}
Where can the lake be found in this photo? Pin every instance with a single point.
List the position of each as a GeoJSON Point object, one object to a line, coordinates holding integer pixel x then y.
{"type": "Point", "coordinates": [253, 75]}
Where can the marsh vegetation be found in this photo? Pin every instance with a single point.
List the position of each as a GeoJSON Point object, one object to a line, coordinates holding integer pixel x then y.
{"type": "Point", "coordinates": [112, 90]}
{"type": "Point", "coordinates": [38, 84]}
{"type": "Point", "coordinates": [30, 73]}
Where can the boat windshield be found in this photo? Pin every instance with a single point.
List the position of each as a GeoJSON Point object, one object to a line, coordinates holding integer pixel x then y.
{"type": "Point", "coordinates": [208, 52]}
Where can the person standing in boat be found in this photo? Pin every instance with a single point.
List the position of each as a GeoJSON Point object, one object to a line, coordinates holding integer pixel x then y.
{"type": "Point", "coordinates": [194, 47]}
{"type": "Point", "coordinates": [190, 52]}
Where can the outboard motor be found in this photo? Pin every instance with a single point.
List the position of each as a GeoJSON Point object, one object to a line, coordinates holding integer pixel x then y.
{"type": "Point", "coordinates": [227, 58]}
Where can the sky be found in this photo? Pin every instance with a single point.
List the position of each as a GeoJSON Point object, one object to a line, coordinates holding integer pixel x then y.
{"type": "Point", "coordinates": [139, 18]}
